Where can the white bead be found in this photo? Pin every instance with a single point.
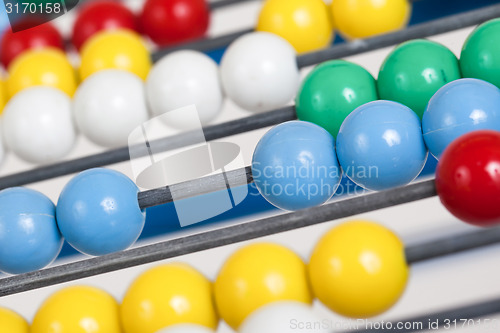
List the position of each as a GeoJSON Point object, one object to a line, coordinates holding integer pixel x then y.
{"type": "Point", "coordinates": [186, 328]}
{"type": "Point", "coordinates": [109, 105]}
{"type": "Point", "coordinates": [184, 78]}
{"type": "Point", "coordinates": [38, 125]}
{"type": "Point", "coordinates": [284, 317]}
{"type": "Point", "coordinates": [259, 72]}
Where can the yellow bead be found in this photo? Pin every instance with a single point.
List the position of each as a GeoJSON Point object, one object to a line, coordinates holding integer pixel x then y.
{"type": "Point", "coordinates": [118, 49]}
{"type": "Point", "coordinates": [3, 96]}
{"type": "Point", "coordinates": [46, 67]}
{"type": "Point", "coordinates": [257, 275]}
{"type": "Point", "coordinates": [306, 24]}
{"type": "Point", "coordinates": [168, 295]}
{"type": "Point", "coordinates": [11, 322]}
{"type": "Point", "coordinates": [366, 18]}
{"type": "Point", "coordinates": [78, 309]}
{"type": "Point", "coordinates": [358, 269]}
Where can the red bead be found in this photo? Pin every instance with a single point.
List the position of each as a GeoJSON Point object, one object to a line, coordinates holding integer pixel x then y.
{"type": "Point", "coordinates": [101, 15]}
{"type": "Point", "coordinates": [468, 178]}
{"type": "Point", "coordinates": [169, 22]}
{"type": "Point", "coordinates": [13, 44]}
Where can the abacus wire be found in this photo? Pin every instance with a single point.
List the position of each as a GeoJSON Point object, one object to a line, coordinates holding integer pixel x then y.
{"type": "Point", "coordinates": [255, 229]}
{"type": "Point", "coordinates": [214, 5]}
{"type": "Point", "coordinates": [224, 3]}
{"type": "Point", "coordinates": [202, 45]}
{"type": "Point", "coordinates": [258, 121]}
{"type": "Point", "coordinates": [470, 311]}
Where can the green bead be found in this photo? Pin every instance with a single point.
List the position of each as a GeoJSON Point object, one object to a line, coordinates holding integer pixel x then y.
{"type": "Point", "coordinates": [414, 71]}
{"type": "Point", "coordinates": [333, 90]}
{"type": "Point", "coordinates": [480, 57]}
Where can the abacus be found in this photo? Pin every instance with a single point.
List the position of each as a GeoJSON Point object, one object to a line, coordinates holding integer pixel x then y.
{"type": "Point", "coordinates": [221, 299]}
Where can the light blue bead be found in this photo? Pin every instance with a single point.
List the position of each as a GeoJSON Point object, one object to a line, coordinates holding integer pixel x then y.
{"type": "Point", "coordinates": [294, 165]}
{"type": "Point", "coordinates": [4, 19]}
{"type": "Point", "coordinates": [380, 145]}
{"type": "Point", "coordinates": [460, 107]}
{"type": "Point", "coordinates": [98, 212]}
{"type": "Point", "coordinates": [29, 238]}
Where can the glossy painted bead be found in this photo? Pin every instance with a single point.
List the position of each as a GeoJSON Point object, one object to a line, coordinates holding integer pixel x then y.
{"type": "Point", "coordinates": [118, 49]}
{"type": "Point", "coordinates": [98, 212]}
{"type": "Point", "coordinates": [380, 145]}
{"type": "Point", "coordinates": [480, 57]}
{"type": "Point", "coordinates": [331, 91]}
{"type": "Point", "coordinates": [284, 317]}
{"type": "Point", "coordinates": [78, 309]}
{"type": "Point", "coordinates": [3, 96]}
{"type": "Point", "coordinates": [181, 79]}
{"type": "Point", "coordinates": [12, 322]}
{"type": "Point", "coordinates": [366, 18]}
{"type": "Point", "coordinates": [169, 22]}
{"type": "Point", "coordinates": [457, 108]}
{"type": "Point", "coordinates": [294, 165]}
{"type": "Point", "coordinates": [259, 72]}
{"type": "Point", "coordinates": [101, 15]}
{"type": "Point", "coordinates": [468, 178]}
{"type": "Point", "coordinates": [41, 36]}
{"type": "Point", "coordinates": [29, 238]}
{"type": "Point", "coordinates": [305, 24]}
{"type": "Point", "coordinates": [109, 105]}
{"type": "Point", "coordinates": [47, 67]}
{"type": "Point", "coordinates": [256, 275]}
{"type": "Point", "coordinates": [358, 269]}
{"type": "Point", "coordinates": [414, 71]}
{"type": "Point", "coordinates": [168, 295]}
{"type": "Point", "coordinates": [186, 328]}
{"type": "Point", "coordinates": [38, 125]}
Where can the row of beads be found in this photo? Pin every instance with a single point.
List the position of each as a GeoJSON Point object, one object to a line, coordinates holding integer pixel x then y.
{"type": "Point", "coordinates": [258, 289]}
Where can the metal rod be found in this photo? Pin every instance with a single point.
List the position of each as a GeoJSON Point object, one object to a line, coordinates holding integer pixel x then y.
{"type": "Point", "coordinates": [430, 250]}
{"type": "Point", "coordinates": [214, 5]}
{"type": "Point", "coordinates": [202, 45]}
{"type": "Point", "coordinates": [194, 187]}
{"type": "Point", "coordinates": [422, 30]}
